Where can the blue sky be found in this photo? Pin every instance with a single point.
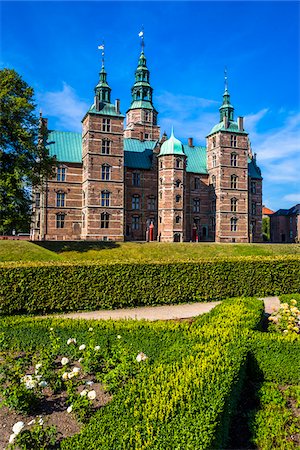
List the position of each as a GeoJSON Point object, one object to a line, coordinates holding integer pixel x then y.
{"type": "Point", "coordinates": [53, 45]}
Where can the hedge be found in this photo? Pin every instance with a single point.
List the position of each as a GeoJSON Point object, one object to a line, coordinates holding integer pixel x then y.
{"type": "Point", "coordinates": [40, 288]}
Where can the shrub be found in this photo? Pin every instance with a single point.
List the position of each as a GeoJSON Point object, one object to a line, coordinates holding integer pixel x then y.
{"type": "Point", "coordinates": [67, 287]}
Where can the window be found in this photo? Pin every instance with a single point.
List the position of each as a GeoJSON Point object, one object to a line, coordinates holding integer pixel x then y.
{"type": "Point", "coordinates": [233, 181]}
{"type": "Point", "coordinates": [83, 198]}
{"type": "Point", "coordinates": [196, 205]}
{"type": "Point", "coordinates": [253, 208]}
{"type": "Point", "coordinates": [178, 163]}
{"type": "Point", "coordinates": [151, 203]}
{"type": "Point", "coordinates": [233, 224]}
{"type": "Point", "coordinates": [37, 200]}
{"type": "Point", "coordinates": [213, 224]}
{"type": "Point", "coordinates": [83, 220]}
{"type": "Point", "coordinates": [105, 172]}
{"type": "Point", "coordinates": [60, 199]}
{"type": "Point", "coordinates": [233, 159]}
{"type": "Point", "coordinates": [214, 142]}
{"type": "Point", "coordinates": [233, 204]}
{"type": "Point", "coordinates": [135, 201]}
{"type": "Point", "coordinates": [105, 150]}
{"type": "Point", "coordinates": [197, 183]}
{"type": "Point", "coordinates": [60, 220]}
{"type": "Point", "coordinates": [214, 161]}
{"type": "Point", "coordinates": [104, 220]}
{"type": "Point", "coordinates": [161, 164]}
{"type": "Point", "coordinates": [233, 140]}
{"type": "Point", "coordinates": [61, 174]}
{"type": "Point", "coordinates": [253, 187]}
{"type": "Point", "coordinates": [178, 182]}
{"type": "Point", "coordinates": [105, 124]}
{"type": "Point", "coordinates": [252, 227]}
{"type": "Point", "coordinates": [213, 181]}
{"type": "Point", "coordinates": [135, 223]}
{"type": "Point", "coordinates": [105, 198]}
{"type": "Point", "coordinates": [146, 136]}
{"type": "Point", "coordinates": [291, 234]}
{"type": "Point", "coordinates": [178, 218]}
{"type": "Point", "coordinates": [147, 116]}
{"type": "Point", "coordinates": [136, 179]}
{"type": "Point", "coordinates": [178, 198]}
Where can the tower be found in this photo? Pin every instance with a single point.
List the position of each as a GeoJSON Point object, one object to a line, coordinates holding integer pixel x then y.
{"type": "Point", "coordinates": [171, 191]}
{"type": "Point", "coordinates": [227, 164]}
{"type": "Point", "coordinates": [141, 117]}
{"type": "Point", "coordinates": [103, 167]}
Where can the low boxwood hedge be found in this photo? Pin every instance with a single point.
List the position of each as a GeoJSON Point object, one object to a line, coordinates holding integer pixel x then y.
{"type": "Point", "coordinates": [45, 288]}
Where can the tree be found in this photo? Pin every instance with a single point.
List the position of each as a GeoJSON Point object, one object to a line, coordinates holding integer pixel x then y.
{"type": "Point", "coordinates": [24, 159]}
{"type": "Point", "coordinates": [266, 228]}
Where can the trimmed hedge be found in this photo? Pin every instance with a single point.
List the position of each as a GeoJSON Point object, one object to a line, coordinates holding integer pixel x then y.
{"type": "Point", "coordinates": [40, 288]}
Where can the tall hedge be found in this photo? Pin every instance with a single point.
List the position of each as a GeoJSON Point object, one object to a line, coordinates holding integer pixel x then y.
{"type": "Point", "coordinates": [36, 288]}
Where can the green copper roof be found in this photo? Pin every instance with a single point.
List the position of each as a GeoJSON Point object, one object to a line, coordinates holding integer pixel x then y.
{"type": "Point", "coordinates": [108, 109]}
{"type": "Point", "coordinates": [66, 145]}
{"type": "Point", "coordinates": [172, 146]}
{"type": "Point", "coordinates": [232, 128]}
{"type": "Point", "coordinates": [196, 159]}
{"type": "Point", "coordinates": [138, 154]}
{"type": "Point", "coordinates": [136, 104]}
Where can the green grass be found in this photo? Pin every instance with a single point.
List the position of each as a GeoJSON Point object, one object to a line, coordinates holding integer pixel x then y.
{"type": "Point", "coordinates": [130, 252]}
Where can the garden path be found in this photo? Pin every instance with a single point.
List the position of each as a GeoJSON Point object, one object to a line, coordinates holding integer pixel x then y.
{"type": "Point", "coordinates": [165, 312]}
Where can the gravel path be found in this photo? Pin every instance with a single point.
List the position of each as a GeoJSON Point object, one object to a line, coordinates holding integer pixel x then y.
{"type": "Point", "coordinates": [166, 312]}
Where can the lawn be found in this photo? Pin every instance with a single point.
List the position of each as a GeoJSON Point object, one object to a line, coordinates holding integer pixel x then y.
{"type": "Point", "coordinates": [132, 252]}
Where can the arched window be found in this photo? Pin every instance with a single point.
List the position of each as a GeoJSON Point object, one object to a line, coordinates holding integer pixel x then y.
{"type": "Point", "coordinates": [234, 180]}
{"type": "Point", "coordinates": [233, 224]}
{"type": "Point", "coordinates": [178, 182]}
{"type": "Point", "coordinates": [233, 204]}
{"type": "Point", "coordinates": [233, 159]}
{"type": "Point", "coordinates": [178, 218]}
{"type": "Point", "coordinates": [213, 181]}
{"type": "Point", "coordinates": [105, 198]}
{"type": "Point", "coordinates": [178, 198]}
{"type": "Point", "coordinates": [104, 220]}
{"type": "Point", "coordinates": [178, 163]}
{"type": "Point", "coordinates": [105, 172]}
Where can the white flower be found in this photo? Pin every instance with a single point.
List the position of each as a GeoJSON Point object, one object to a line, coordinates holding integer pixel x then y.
{"type": "Point", "coordinates": [51, 329]}
{"type": "Point", "coordinates": [18, 427]}
{"type": "Point", "coordinates": [32, 422]}
{"type": "Point", "coordinates": [90, 329]}
{"type": "Point", "coordinates": [92, 395]}
{"type": "Point", "coordinates": [118, 337]}
{"type": "Point", "coordinates": [41, 422]}
{"type": "Point", "coordinates": [65, 376]}
{"type": "Point", "coordinates": [80, 359]}
{"type": "Point", "coordinates": [97, 347]}
{"type": "Point", "coordinates": [141, 357]}
{"type": "Point", "coordinates": [43, 384]}
{"type": "Point", "coordinates": [31, 384]}
{"type": "Point", "coordinates": [71, 341]}
{"type": "Point", "coordinates": [38, 377]}
{"type": "Point", "coordinates": [285, 331]}
{"type": "Point", "coordinates": [12, 438]}
{"type": "Point", "coordinates": [72, 375]}
{"type": "Point", "coordinates": [89, 383]}
{"type": "Point", "coordinates": [83, 393]}
{"type": "Point", "coordinates": [82, 347]}
{"type": "Point", "coordinates": [64, 361]}
{"type": "Point", "coordinates": [38, 366]}
{"type": "Point", "coordinates": [69, 409]}
{"type": "Point", "coordinates": [76, 370]}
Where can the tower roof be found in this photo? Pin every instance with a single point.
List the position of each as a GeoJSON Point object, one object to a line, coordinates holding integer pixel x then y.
{"type": "Point", "coordinates": [142, 91]}
{"type": "Point", "coordinates": [172, 146]}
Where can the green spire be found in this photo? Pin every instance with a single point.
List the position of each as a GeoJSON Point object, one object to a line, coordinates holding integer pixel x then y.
{"type": "Point", "coordinates": [102, 89]}
{"type": "Point", "coordinates": [172, 146]}
{"type": "Point", "coordinates": [226, 109]}
{"type": "Point", "coordinates": [142, 91]}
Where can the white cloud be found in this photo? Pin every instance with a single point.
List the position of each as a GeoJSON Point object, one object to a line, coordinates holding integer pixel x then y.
{"type": "Point", "coordinates": [295, 197]}
{"type": "Point", "coordinates": [65, 106]}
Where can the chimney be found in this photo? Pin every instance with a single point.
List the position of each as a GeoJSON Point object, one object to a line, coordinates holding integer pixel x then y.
{"type": "Point", "coordinates": [225, 119]}
{"type": "Point", "coordinates": [190, 142]}
{"type": "Point", "coordinates": [241, 123]}
{"type": "Point", "coordinates": [117, 106]}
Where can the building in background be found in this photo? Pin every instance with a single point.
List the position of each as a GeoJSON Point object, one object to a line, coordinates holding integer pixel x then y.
{"type": "Point", "coordinates": [285, 225]}
{"type": "Point", "coordinates": [115, 183]}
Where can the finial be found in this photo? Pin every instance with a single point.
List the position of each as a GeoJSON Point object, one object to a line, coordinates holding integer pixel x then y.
{"type": "Point", "coordinates": [226, 79]}
{"type": "Point", "coordinates": [101, 47]}
{"type": "Point", "coordinates": [172, 131]}
{"type": "Point", "coordinates": [141, 35]}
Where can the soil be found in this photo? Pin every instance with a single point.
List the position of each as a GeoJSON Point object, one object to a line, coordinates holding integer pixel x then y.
{"type": "Point", "coordinates": [53, 410]}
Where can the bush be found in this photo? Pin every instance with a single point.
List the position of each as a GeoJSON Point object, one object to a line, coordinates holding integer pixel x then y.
{"type": "Point", "coordinates": [36, 288]}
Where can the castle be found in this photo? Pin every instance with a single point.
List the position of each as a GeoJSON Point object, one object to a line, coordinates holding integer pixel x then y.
{"type": "Point", "coordinates": [116, 184]}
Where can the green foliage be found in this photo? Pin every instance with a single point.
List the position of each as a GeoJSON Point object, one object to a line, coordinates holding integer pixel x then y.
{"type": "Point", "coordinates": [39, 288]}
{"type": "Point", "coordinates": [286, 319]}
{"type": "Point", "coordinates": [36, 437]}
{"type": "Point", "coordinates": [23, 161]}
{"type": "Point", "coordinates": [275, 426]}
{"type": "Point", "coordinates": [266, 229]}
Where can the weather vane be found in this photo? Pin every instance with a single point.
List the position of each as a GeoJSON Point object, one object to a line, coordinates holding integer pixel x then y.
{"type": "Point", "coordinates": [141, 35]}
{"type": "Point", "coordinates": [101, 47]}
{"type": "Point", "coordinates": [226, 80]}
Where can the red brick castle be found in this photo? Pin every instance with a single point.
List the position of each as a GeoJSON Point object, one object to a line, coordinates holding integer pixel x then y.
{"type": "Point", "coordinates": [121, 184]}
